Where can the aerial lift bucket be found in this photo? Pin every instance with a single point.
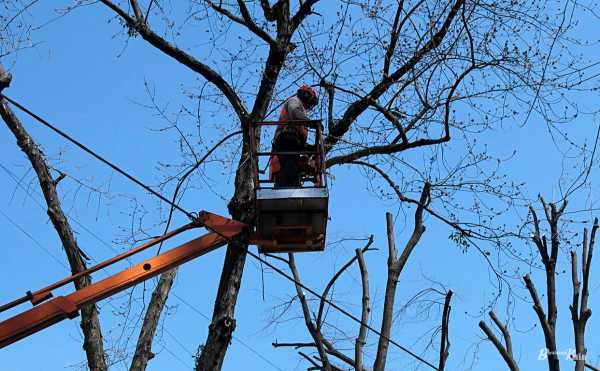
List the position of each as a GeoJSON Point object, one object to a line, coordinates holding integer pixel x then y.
{"type": "Point", "coordinates": [290, 219]}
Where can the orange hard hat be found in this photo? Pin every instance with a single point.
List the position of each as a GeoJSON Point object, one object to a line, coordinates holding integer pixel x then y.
{"type": "Point", "coordinates": [307, 91]}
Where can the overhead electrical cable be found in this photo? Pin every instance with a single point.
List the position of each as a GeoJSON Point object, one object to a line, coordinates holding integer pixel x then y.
{"type": "Point", "coordinates": [57, 260]}
{"type": "Point", "coordinates": [191, 216]}
{"type": "Point", "coordinates": [17, 182]}
{"type": "Point", "coordinates": [235, 338]}
{"type": "Point", "coordinates": [173, 204]}
{"type": "Point", "coordinates": [97, 156]}
{"type": "Point", "coordinates": [36, 242]}
{"type": "Point", "coordinates": [340, 309]}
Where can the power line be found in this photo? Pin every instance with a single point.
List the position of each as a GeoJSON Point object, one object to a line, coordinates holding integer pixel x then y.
{"type": "Point", "coordinates": [33, 239]}
{"type": "Point", "coordinates": [244, 344]}
{"type": "Point", "coordinates": [195, 309]}
{"type": "Point", "coordinates": [176, 206]}
{"type": "Point", "coordinates": [65, 266]}
{"type": "Point", "coordinates": [172, 336]}
{"type": "Point", "coordinates": [71, 218]}
{"type": "Point", "coordinates": [130, 177]}
{"type": "Point", "coordinates": [96, 156]}
{"type": "Point", "coordinates": [176, 356]}
{"type": "Point", "coordinates": [57, 260]}
{"type": "Point", "coordinates": [340, 309]}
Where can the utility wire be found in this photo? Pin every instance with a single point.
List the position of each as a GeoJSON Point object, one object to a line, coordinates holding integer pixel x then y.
{"type": "Point", "coordinates": [60, 262]}
{"type": "Point", "coordinates": [244, 344]}
{"type": "Point", "coordinates": [15, 179]}
{"type": "Point", "coordinates": [65, 266]}
{"type": "Point", "coordinates": [192, 307]}
{"type": "Point", "coordinates": [172, 203]}
{"type": "Point", "coordinates": [98, 157]}
{"type": "Point", "coordinates": [172, 336]}
{"type": "Point", "coordinates": [187, 365]}
{"type": "Point", "coordinates": [191, 216]}
{"type": "Point", "coordinates": [340, 309]}
{"type": "Point", "coordinates": [36, 242]}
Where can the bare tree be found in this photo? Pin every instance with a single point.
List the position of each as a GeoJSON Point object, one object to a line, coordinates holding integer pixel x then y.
{"type": "Point", "coordinates": [405, 80]}
{"type": "Point", "coordinates": [326, 351]}
{"type": "Point", "coordinates": [549, 259]}
{"type": "Point", "coordinates": [395, 265]}
{"type": "Point", "coordinates": [445, 337]}
{"type": "Point", "coordinates": [580, 313]}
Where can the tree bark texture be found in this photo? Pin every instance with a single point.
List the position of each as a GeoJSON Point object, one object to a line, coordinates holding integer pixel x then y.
{"type": "Point", "coordinates": [143, 352]}
{"type": "Point", "coordinates": [241, 208]}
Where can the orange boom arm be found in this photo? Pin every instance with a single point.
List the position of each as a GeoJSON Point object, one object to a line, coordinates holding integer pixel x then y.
{"type": "Point", "coordinates": [63, 307]}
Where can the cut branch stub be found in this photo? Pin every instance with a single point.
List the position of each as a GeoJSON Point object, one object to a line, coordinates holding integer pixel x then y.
{"type": "Point", "coordinates": [505, 351]}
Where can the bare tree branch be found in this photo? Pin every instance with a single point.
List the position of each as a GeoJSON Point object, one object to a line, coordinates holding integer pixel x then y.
{"type": "Point", "coordinates": [358, 107]}
{"type": "Point", "coordinates": [182, 57]}
{"type": "Point", "coordinates": [5, 79]}
{"type": "Point", "coordinates": [304, 11]}
{"type": "Point", "coordinates": [267, 10]}
{"type": "Point", "coordinates": [246, 20]}
{"type": "Point", "coordinates": [361, 339]}
{"type": "Point", "coordinates": [395, 147]}
{"type": "Point", "coordinates": [314, 331]}
{"type": "Point", "coordinates": [391, 117]}
{"type": "Point", "coordinates": [504, 350]}
{"type": "Point", "coordinates": [90, 323]}
{"type": "Point", "coordinates": [444, 338]}
{"type": "Point", "coordinates": [334, 279]}
{"type": "Point", "coordinates": [143, 350]}
{"type": "Point", "coordinates": [312, 361]}
{"type": "Point", "coordinates": [504, 329]}
{"type": "Point", "coordinates": [548, 322]}
{"type": "Point", "coordinates": [393, 39]}
{"type": "Point", "coordinates": [137, 11]}
{"type": "Point", "coordinates": [382, 150]}
{"type": "Point", "coordinates": [395, 266]}
{"type": "Point", "coordinates": [580, 313]}
{"type": "Point", "coordinates": [549, 335]}
{"type": "Point", "coordinates": [294, 345]}
{"type": "Point", "coordinates": [330, 90]}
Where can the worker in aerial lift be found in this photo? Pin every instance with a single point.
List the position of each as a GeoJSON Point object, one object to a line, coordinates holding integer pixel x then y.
{"type": "Point", "coordinates": [285, 169]}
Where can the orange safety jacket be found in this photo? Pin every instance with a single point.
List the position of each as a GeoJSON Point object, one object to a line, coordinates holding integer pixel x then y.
{"type": "Point", "coordinates": [292, 109]}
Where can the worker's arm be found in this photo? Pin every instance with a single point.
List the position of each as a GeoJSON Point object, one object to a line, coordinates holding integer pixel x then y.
{"type": "Point", "coordinates": [296, 110]}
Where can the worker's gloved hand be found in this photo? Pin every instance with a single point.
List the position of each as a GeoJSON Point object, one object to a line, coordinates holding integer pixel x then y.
{"type": "Point", "coordinates": [306, 165]}
{"type": "Point", "coordinates": [310, 147]}
{"type": "Point", "coordinates": [312, 124]}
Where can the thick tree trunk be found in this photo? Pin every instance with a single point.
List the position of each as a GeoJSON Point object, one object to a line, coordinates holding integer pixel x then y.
{"type": "Point", "coordinates": [241, 207]}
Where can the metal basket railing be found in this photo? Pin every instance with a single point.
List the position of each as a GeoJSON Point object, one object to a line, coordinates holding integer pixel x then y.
{"type": "Point", "coordinates": [261, 178]}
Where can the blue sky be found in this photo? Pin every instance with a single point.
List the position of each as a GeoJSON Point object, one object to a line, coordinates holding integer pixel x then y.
{"type": "Point", "coordinates": [89, 82]}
